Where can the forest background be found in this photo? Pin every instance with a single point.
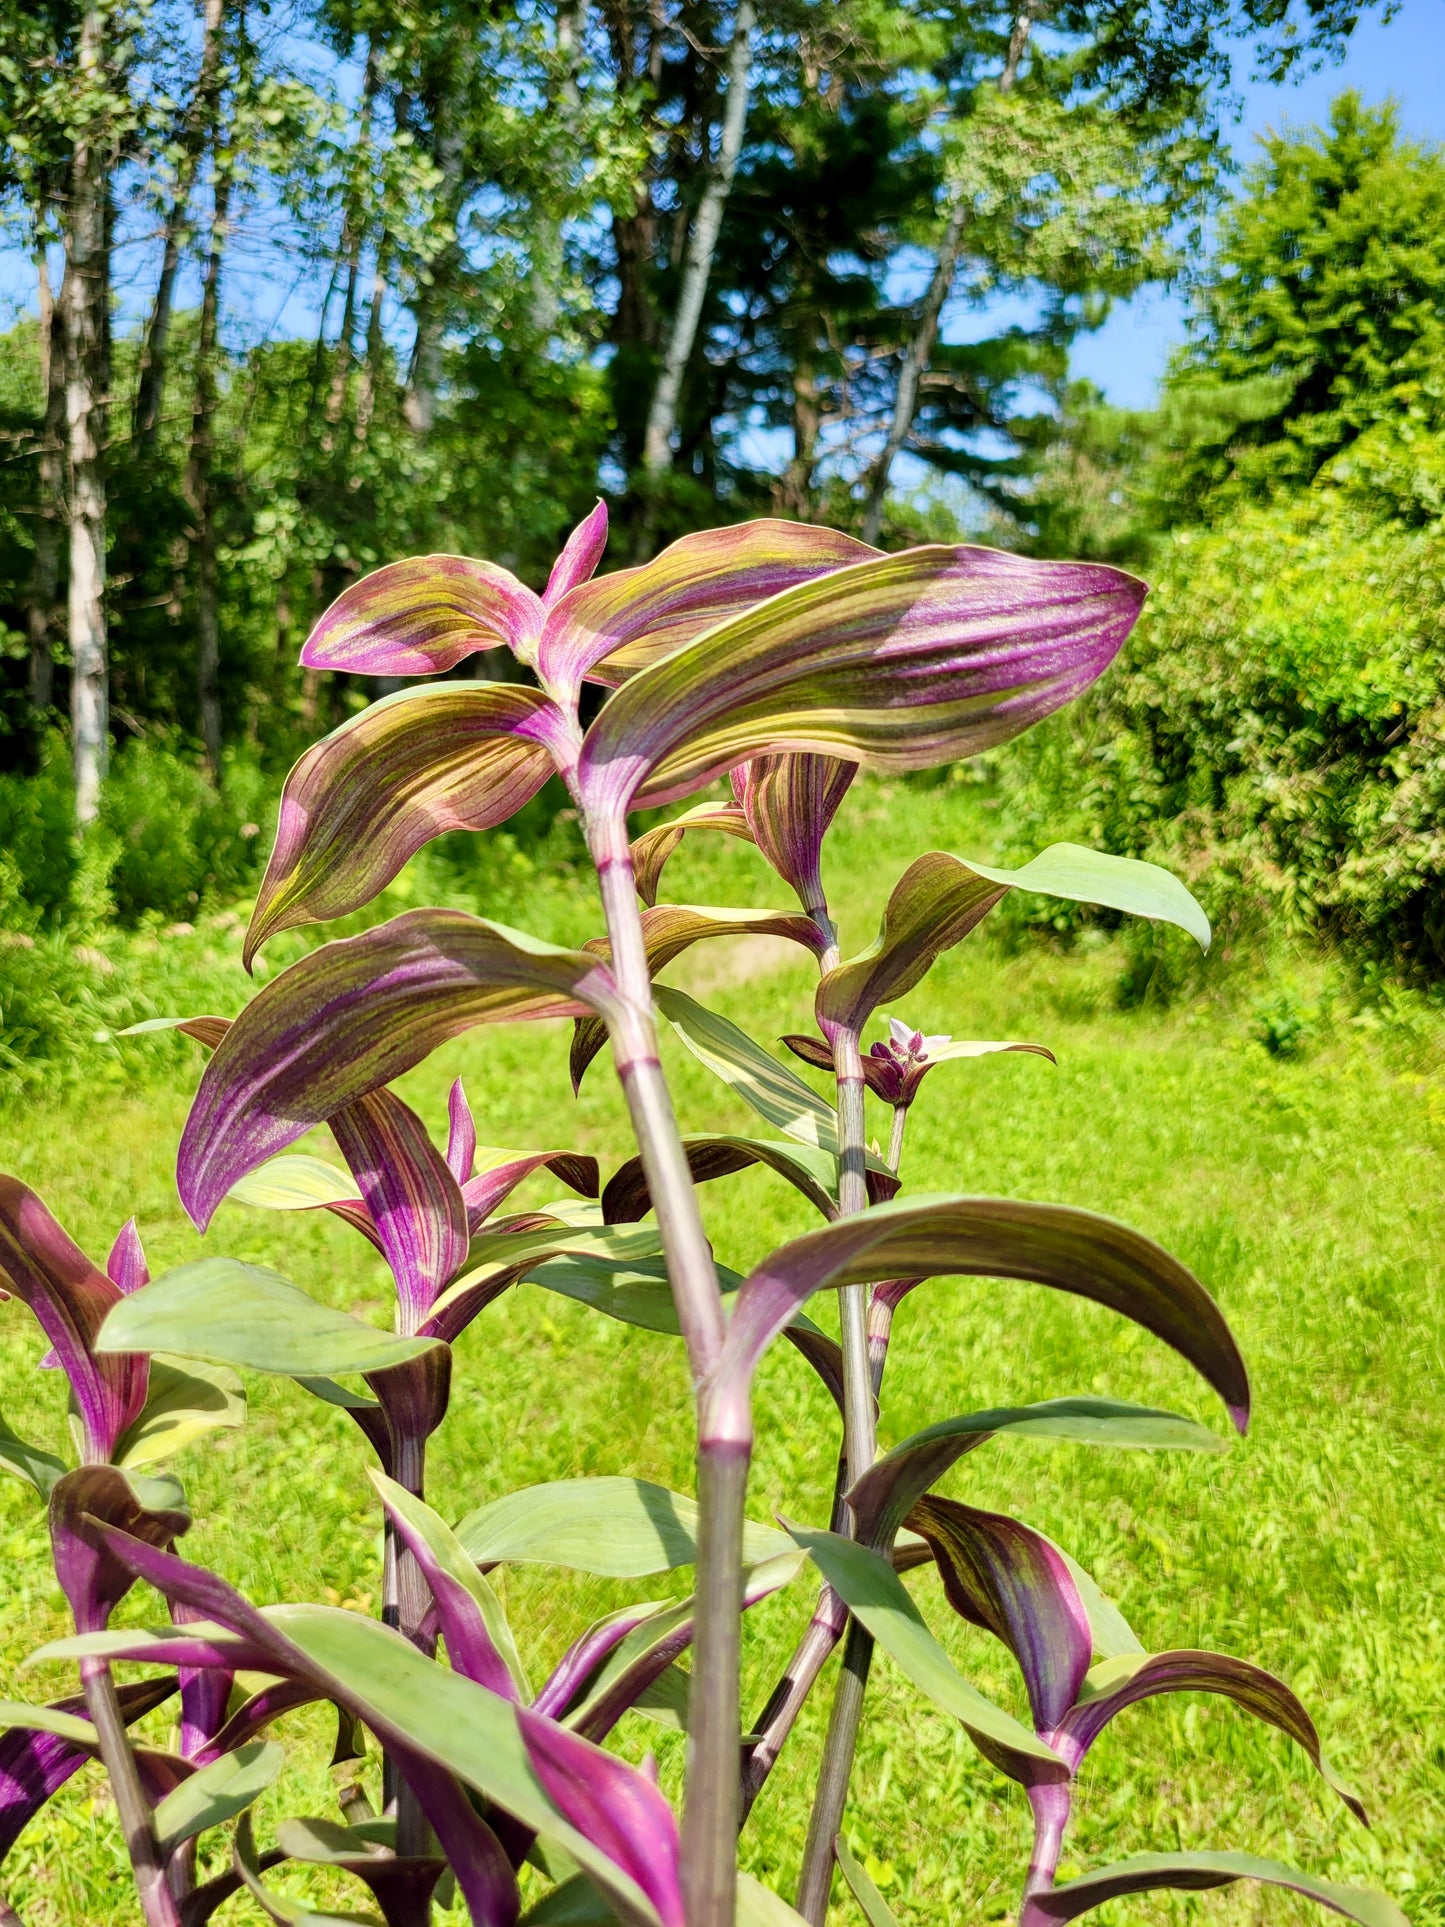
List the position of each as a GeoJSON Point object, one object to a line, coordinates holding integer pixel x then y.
{"type": "Point", "coordinates": [307, 286]}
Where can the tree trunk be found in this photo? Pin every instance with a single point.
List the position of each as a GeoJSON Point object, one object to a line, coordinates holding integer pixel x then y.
{"type": "Point", "coordinates": [151, 372]}
{"type": "Point", "coordinates": [796, 490]}
{"type": "Point", "coordinates": [200, 485]}
{"type": "Point", "coordinates": [87, 292]}
{"type": "Point", "coordinates": [353, 233]}
{"type": "Point", "coordinates": [920, 347]}
{"type": "Point", "coordinates": [41, 612]}
{"type": "Point", "coordinates": [564, 106]}
{"type": "Point", "coordinates": [424, 380]}
{"type": "Point", "coordinates": [696, 272]}
{"type": "Point", "coordinates": [375, 348]}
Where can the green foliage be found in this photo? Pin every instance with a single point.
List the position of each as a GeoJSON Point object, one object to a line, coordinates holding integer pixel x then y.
{"type": "Point", "coordinates": [1320, 345]}
{"type": "Point", "coordinates": [1274, 729]}
{"type": "Point", "coordinates": [165, 843]}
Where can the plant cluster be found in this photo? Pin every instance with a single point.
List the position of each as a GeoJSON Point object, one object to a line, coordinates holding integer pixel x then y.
{"type": "Point", "coordinates": [787, 656]}
{"type": "Point", "coordinates": [1274, 731]}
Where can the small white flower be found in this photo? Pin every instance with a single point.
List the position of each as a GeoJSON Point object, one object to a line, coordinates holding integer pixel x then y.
{"type": "Point", "coordinates": [911, 1042]}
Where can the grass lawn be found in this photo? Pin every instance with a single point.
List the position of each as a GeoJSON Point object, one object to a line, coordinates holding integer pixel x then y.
{"type": "Point", "coordinates": [1304, 1191]}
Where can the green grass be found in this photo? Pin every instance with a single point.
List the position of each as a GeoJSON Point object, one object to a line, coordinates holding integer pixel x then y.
{"type": "Point", "coordinates": [1305, 1192]}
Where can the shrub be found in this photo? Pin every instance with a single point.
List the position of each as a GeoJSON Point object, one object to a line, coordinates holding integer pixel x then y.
{"type": "Point", "coordinates": [178, 841]}
{"type": "Point", "coordinates": [1276, 729]}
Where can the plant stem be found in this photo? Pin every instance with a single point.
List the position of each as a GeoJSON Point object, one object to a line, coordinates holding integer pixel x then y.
{"type": "Point", "coordinates": [816, 1883]}
{"type": "Point", "coordinates": [404, 1599]}
{"type": "Point", "coordinates": [710, 1809]}
{"type": "Point", "coordinates": [859, 1435]}
{"type": "Point", "coordinates": [859, 1446]}
{"type": "Point", "coordinates": [137, 1824]}
{"type": "Point", "coordinates": [712, 1805]}
{"type": "Point", "coordinates": [689, 1256]}
{"type": "Point", "coordinates": [775, 1722]}
{"type": "Point", "coordinates": [895, 1140]}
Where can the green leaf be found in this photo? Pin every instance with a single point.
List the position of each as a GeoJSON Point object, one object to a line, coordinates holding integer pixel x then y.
{"type": "Point", "coordinates": [281, 1907]}
{"type": "Point", "coordinates": [616, 1528]}
{"type": "Point", "coordinates": [889, 1487]}
{"type": "Point", "coordinates": [874, 1906]}
{"type": "Point", "coordinates": [665, 1702]}
{"type": "Point", "coordinates": [184, 1400]}
{"type": "Point", "coordinates": [777, 1094]}
{"type": "Point", "coordinates": [244, 1315]}
{"type": "Point", "coordinates": [330, 1393]}
{"type": "Point", "coordinates": [634, 1293]}
{"type": "Point", "coordinates": [294, 1182]}
{"type": "Point", "coordinates": [1077, 875]}
{"type": "Point", "coordinates": [875, 1595]}
{"type": "Point", "coordinates": [1191, 1872]}
{"type": "Point", "coordinates": [31, 1463]}
{"type": "Point", "coordinates": [217, 1792]}
{"type": "Point", "coordinates": [759, 1906]}
{"type": "Point", "coordinates": [147, 1645]}
{"type": "Point", "coordinates": [48, 1719]}
{"type": "Point", "coordinates": [576, 1903]}
{"type": "Point", "coordinates": [1112, 1634]}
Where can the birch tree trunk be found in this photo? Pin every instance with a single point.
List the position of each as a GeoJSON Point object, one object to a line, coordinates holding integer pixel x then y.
{"type": "Point", "coordinates": [696, 272]}
{"type": "Point", "coordinates": [151, 373]}
{"type": "Point", "coordinates": [87, 292]}
{"type": "Point", "coordinates": [925, 333]}
{"type": "Point", "coordinates": [41, 612]}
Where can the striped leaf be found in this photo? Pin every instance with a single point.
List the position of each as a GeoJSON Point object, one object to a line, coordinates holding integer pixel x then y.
{"type": "Point", "coordinates": [362, 801]}
{"type": "Point", "coordinates": [902, 662]}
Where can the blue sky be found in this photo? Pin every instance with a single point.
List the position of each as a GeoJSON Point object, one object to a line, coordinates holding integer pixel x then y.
{"type": "Point", "coordinates": [1405, 58]}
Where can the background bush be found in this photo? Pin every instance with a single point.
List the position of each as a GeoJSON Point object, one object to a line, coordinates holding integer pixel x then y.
{"type": "Point", "coordinates": [1275, 731]}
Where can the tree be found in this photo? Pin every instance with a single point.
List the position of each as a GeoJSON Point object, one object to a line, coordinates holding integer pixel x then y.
{"type": "Point", "coordinates": [1319, 341]}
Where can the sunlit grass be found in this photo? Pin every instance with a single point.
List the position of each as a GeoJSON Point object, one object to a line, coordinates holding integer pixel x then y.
{"type": "Point", "coordinates": [1304, 1191]}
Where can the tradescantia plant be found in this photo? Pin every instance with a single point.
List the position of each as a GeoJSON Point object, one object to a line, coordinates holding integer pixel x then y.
{"type": "Point", "coordinates": [784, 658]}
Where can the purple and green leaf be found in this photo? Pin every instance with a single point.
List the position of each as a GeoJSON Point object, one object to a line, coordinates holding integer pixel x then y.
{"type": "Point", "coordinates": [353, 1016]}
{"type": "Point", "coordinates": [1055, 1245]}
{"type": "Point", "coordinates": [939, 899]}
{"type": "Point", "coordinates": [69, 1297]}
{"type": "Point", "coordinates": [902, 662]}
{"type": "Point", "coordinates": [361, 802]}
{"type": "Point", "coordinates": [876, 1597]}
{"type": "Point", "coordinates": [888, 1489]}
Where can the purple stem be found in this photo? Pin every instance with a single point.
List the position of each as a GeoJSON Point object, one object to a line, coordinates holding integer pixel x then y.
{"type": "Point", "coordinates": [1051, 1815]}
{"type": "Point", "coordinates": [789, 1696]}
{"type": "Point", "coordinates": [405, 1600]}
{"type": "Point", "coordinates": [815, 1883]}
{"type": "Point", "coordinates": [137, 1824]}
{"type": "Point", "coordinates": [724, 1446]}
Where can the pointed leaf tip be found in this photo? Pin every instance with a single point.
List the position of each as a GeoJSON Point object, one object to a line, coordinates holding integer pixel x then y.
{"type": "Point", "coordinates": [583, 550]}
{"type": "Point", "coordinates": [422, 616]}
